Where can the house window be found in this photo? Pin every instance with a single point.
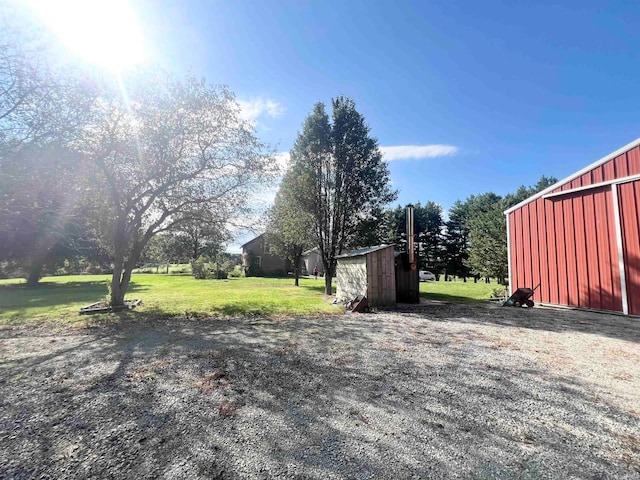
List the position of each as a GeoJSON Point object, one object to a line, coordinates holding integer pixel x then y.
{"type": "Point", "coordinates": [266, 247]}
{"type": "Point", "coordinates": [259, 261]}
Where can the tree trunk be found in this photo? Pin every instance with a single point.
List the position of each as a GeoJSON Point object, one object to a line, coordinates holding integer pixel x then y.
{"type": "Point", "coordinates": [327, 283]}
{"type": "Point", "coordinates": [34, 274]}
{"type": "Point", "coordinates": [120, 281]}
{"type": "Point", "coordinates": [121, 285]}
{"type": "Point", "coordinates": [117, 296]}
{"type": "Point", "coordinates": [296, 269]}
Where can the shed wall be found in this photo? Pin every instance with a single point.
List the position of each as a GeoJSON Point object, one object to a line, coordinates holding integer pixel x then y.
{"type": "Point", "coordinates": [381, 277]}
{"type": "Point", "coordinates": [351, 278]}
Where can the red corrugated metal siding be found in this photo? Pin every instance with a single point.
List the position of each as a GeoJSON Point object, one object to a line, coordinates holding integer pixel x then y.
{"type": "Point", "coordinates": [550, 227]}
{"type": "Point", "coordinates": [568, 243]}
{"type": "Point", "coordinates": [623, 165]}
{"type": "Point", "coordinates": [629, 199]}
{"type": "Point", "coordinates": [591, 243]}
{"type": "Point", "coordinates": [578, 226]}
{"type": "Point", "coordinates": [535, 245]}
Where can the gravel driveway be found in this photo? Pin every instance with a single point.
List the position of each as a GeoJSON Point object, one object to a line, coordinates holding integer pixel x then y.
{"type": "Point", "coordinates": [435, 391]}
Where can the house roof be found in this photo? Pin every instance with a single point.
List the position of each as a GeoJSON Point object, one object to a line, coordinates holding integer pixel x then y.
{"type": "Point", "coordinates": [252, 240]}
{"type": "Point", "coordinates": [363, 251]}
{"type": "Point", "coordinates": [311, 250]}
{"type": "Point", "coordinates": [541, 193]}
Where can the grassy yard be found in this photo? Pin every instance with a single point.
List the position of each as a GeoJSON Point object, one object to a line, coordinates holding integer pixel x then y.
{"type": "Point", "coordinates": [60, 298]}
{"type": "Point", "coordinates": [458, 291]}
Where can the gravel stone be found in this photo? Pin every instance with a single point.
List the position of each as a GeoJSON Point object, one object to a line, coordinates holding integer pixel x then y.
{"type": "Point", "coordinates": [435, 390]}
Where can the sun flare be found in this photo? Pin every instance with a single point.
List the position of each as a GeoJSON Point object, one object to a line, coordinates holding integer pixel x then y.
{"type": "Point", "coordinates": [104, 32]}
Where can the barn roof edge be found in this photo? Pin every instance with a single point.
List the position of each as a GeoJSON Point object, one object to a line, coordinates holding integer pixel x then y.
{"type": "Point", "coordinates": [573, 176]}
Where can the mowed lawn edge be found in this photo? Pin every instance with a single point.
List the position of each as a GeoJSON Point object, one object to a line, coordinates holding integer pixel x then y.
{"type": "Point", "coordinates": [59, 299]}
{"type": "Point", "coordinates": [459, 291]}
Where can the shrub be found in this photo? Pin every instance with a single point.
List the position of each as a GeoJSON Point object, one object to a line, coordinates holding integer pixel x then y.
{"type": "Point", "coordinates": [237, 272]}
{"type": "Point", "coordinates": [218, 275]}
{"type": "Point", "coordinates": [499, 292]}
{"type": "Point", "coordinates": [199, 268]}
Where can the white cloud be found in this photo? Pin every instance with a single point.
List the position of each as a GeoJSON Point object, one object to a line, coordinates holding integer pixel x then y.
{"type": "Point", "coordinates": [264, 198]}
{"type": "Point", "coordinates": [283, 159]}
{"type": "Point", "coordinates": [259, 107]}
{"type": "Point", "coordinates": [419, 152]}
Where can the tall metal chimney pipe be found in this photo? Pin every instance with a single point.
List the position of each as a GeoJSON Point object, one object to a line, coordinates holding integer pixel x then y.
{"type": "Point", "coordinates": [410, 239]}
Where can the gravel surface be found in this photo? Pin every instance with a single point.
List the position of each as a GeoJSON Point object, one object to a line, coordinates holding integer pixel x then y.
{"type": "Point", "coordinates": [431, 391]}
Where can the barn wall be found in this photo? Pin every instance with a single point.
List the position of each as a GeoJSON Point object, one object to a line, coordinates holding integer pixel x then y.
{"type": "Point", "coordinates": [351, 278]}
{"type": "Point", "coordinates": [567, 245]}
{"type": "Point", "coordinates": [381, 277]}
{"type": "Point", "coordinates": [629, 200]}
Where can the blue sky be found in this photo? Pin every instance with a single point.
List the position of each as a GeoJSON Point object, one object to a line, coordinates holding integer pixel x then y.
{"type": "Point", "coordinates": [515, 89]}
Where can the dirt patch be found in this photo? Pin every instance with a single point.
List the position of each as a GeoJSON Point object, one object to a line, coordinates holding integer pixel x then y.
{"type": "Point", "coordinates": [432, 391]}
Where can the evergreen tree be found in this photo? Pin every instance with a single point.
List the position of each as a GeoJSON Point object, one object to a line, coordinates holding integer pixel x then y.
{"type": "Point", "coordinates": [341, 179]}
{"type": "Point", "coordinates": [429, 223]}
{"type": "Point", "coordinates": [488, 251]}
{"type": "Point", "coordinates": [456, 241]}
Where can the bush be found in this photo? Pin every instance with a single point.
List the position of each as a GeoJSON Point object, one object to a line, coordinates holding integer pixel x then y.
{"type": "Point", "coordinates": [499, 292]}
{"type": "Point", "coordinates": [237, 272]}
{"type": "Point", "coordinates": [218, 275]}
{"type": "Point", "coordinates": [200, 268]}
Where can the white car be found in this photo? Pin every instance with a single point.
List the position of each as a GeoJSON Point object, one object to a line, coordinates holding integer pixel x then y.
{"type": "Point", "coordinates": [426, 276]}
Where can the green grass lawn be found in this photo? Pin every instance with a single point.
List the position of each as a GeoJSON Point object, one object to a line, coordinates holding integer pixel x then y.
{"type": "Point", "coordinates": [59, 298]}
{"type": "Point", "coordinates": [458, 291]}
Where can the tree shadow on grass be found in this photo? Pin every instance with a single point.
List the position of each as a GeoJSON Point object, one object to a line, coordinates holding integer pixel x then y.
{"type": "Point", "coordinates": [319, 288]}
{"type": "Point", "coordinates": [50, 294]}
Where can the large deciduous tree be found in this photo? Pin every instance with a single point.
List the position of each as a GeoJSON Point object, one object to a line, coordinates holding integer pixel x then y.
{"type": "Point", "coordinates": [290, 229]}
{"type": "Point", "coordinates": [162, 154]}
{"type": "Point", "coordinates": [42, 109]}
{"type": "Point", "coordinates": [341, 179]}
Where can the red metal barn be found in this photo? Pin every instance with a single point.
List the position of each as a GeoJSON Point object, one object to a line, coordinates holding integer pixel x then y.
{"type": "Point", "coordinates": [580, 238]}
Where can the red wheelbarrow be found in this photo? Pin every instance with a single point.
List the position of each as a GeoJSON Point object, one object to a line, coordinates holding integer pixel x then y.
{"type": "Point", "coordinates": [520, 298]}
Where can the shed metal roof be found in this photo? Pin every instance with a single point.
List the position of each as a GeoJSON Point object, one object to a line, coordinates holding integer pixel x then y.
{"type": "Point", "coordinates": [586, 169]}
{"type": "Point", "coordinates": [363, 251]}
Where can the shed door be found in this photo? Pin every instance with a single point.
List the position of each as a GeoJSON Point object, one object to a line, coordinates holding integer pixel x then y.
{"type": "Point", "coordinates": [629, 199]}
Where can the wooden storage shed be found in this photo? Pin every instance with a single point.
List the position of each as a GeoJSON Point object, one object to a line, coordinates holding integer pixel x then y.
{"type": "Point", "coordinates": [580, 238]}
{"type": "Point", "coordinates": [369, 272]}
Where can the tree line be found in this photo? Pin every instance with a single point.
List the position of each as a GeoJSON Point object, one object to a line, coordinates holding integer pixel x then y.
{"type": "Point", "coordinates": [469, 241]}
